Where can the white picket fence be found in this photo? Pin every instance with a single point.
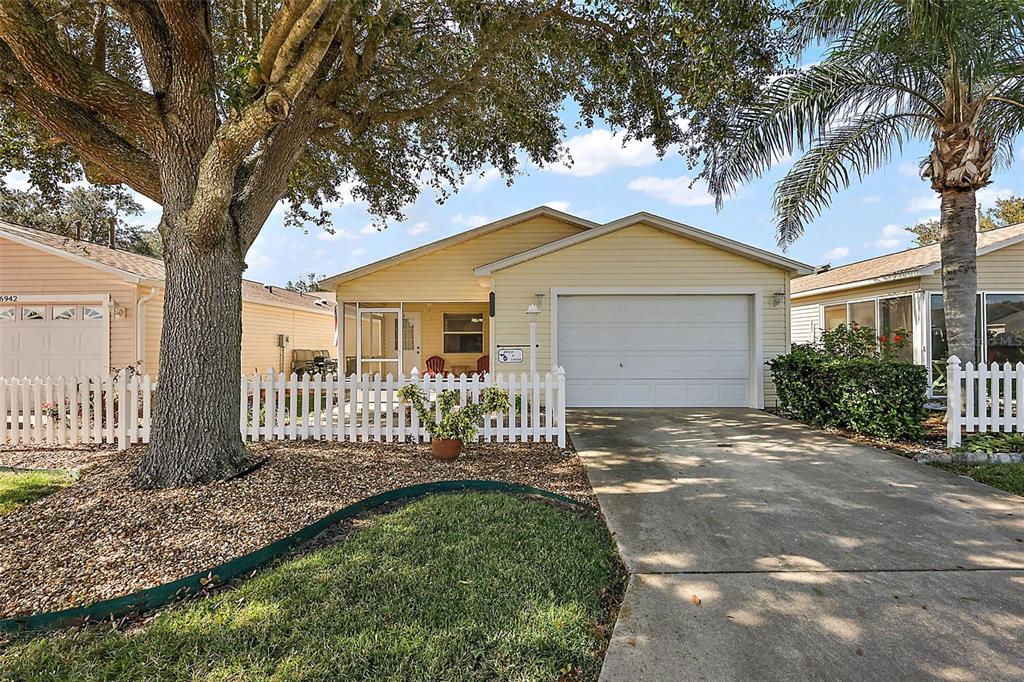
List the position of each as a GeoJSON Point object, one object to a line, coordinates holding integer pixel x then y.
{"type": "Point", "coordinates": [278, 407]}
{"type": "Point", "coordinates": [983, 398]}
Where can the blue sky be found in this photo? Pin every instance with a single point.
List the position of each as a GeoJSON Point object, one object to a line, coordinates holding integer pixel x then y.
{"type": "Point", "coordinates": [608, 181]}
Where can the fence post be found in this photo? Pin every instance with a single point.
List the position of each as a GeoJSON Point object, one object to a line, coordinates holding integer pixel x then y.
{"type": "Point", "coordinates": [954, 407]}
{"type": "Point", "coordinates": [560, 413]}
{"type": "Point", "coordinates": [122, 410]}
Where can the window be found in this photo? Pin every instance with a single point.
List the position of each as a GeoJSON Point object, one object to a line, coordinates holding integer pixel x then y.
{"type": "Point", "coordinates": [92, 313]}
{"type": "Point", "coordinates": [863, 314]}
{"type": "Point", "coordinates": [6, 313]}
{"type": "Point", "coordinates": [32, 313]}
{"type": "Point", "coordinates": [1004, 328]}
{"type": "Point", "coordinates": [835, 315]}
{"type": "Point", "coordinates": [63, 312]}
{"type": "Point", "coordinates": [463, 332]}
{"type": "Point", "coordinates": [897, 314]}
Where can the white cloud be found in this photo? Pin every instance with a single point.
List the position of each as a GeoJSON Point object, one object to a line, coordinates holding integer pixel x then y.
{"type": "Point", "coordinates": [911, 170]}
{"type": "Point", "coordinates": [676, 191]}
{"type": "Point", "coordinates": [987, 196]}
{"type": "Point", "coordinates": [926, 202]}
{"type": "Point", "coordinates": [483, 180]}
{"type": "Point", "coordinates": [18, 181]}
{"type": "Point", "coordinates": [418, 228]}
{"type": "Point", "coordinates": [837, 253]}
{"type": "Point", "coordinates": [893, 236]}
{"type": "Point", "coordinates": [562, 206]}
{"type": "Point", "coordinates": [871, 199]}
{"type": "Point", "coordinates": [369, 228]}
{"type": "Point", "coordinates": [358, 252]}
{"type": "Point", "coordinates": [339, 233]}
{"type": "Point", "coordinates": [470, 220]}
{"type": "Point", "coordinates": [599, 150]}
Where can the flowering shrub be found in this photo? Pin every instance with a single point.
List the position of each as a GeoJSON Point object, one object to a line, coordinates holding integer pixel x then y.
{"type": "Point", "coordinates": [457, 422]}
{"type": "Point", "coordinates": [845, 382]}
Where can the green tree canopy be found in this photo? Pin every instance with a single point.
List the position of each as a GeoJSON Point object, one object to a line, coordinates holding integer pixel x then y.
{"type": "Point", "coordinates": [88, 210]}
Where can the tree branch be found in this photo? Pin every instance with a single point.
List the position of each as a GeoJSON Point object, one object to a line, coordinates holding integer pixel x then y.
{"type": "Point", "coordinates": [53, 69]}
{"type": "Point", "coordinates": [147, 25]}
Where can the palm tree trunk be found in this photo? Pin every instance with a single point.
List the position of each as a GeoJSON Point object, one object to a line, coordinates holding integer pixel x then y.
{"type": "Point", "coordinates": [959, 270]}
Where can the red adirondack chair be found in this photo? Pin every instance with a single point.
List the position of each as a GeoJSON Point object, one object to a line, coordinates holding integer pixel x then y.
{"type": "Point", "coordinates": [434, 365]}
{"type": "Point", "coordinates": [483, 364]}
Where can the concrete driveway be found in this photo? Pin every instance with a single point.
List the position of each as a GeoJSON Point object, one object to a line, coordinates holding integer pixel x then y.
{"type": "Point", "coordinates": [763, 550]}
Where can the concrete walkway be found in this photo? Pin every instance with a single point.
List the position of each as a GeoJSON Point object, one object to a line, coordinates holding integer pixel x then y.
{"type": "Point", "coordinates": [763, 550]}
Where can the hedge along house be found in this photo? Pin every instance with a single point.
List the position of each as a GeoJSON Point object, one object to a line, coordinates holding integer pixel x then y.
{"type": "Point", "coordinates": [904, 290]}
{"type": "Point", "coordinates": [642, 311]}
{"type": "Point", "coordinates": [74, 308]}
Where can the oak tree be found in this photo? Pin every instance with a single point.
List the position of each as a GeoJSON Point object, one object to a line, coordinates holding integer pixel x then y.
{"type": "Point", "coordinates": [218, 110]}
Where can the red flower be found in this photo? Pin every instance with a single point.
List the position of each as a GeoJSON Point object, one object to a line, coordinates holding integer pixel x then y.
{"type": "Point", "coordinates": [883, 339]}
{"type": "Point", "coordinates": [897, 339]}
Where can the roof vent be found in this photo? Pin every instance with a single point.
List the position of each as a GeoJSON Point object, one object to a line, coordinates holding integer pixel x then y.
{"type": "Point", "coordinates": [323, 302]}
{"type": "Point", "coordinates": [269, 288]}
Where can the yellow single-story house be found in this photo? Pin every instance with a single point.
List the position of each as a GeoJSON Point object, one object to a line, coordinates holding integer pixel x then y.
{"type": "Point", "coordinates": [641, 311]}
{"type": "Point", "coordinates": [904, 291]}
{"type": "Point", "coordinates": [74, 308]}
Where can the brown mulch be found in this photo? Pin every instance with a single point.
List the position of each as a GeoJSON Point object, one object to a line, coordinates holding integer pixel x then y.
{"type": "Point", "coordinates": [100, 538]}
{"type": "Point", "coordinates": [70, 458]}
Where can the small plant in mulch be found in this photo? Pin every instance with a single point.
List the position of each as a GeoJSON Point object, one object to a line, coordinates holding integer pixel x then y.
{"type": "Point", "coordinates": [993, 443]}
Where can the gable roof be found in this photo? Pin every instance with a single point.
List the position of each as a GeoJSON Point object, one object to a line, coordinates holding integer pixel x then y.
{"type": "Point", "coordinates": [459, 238]}
{"type": "Point", "coordinates": [917, 262]}
{"type": "Point", "coordinates": [671, 226]}
{"type": "Point", "coordinates": [139, 269]}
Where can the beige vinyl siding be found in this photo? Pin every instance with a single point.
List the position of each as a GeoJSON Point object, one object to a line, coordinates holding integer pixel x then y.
{"type": "Point", "coordinates": [29, 271]}
{"type": "Point", "coordinates": [260, 326]}
{"type": "Point", "coordinates": [1001, 270]}
{"type": "Point", "coordinates": [447, 275]}
{"type": "Point", "coordinates": [637, 256]}
{"type": "Point", "coordinates": [806, 323]}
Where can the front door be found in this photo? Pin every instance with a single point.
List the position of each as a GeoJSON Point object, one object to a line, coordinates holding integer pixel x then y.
{"type": "Point", "coordinates": [411, 342]}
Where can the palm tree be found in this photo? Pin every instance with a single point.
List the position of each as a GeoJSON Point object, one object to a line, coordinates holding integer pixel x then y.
{"type": "Point", "coordinates": [947, 71]}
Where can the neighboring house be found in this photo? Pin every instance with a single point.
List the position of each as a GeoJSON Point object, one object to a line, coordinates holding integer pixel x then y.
{"type": "Point", "coordinates": [904, 290]}
{"type": "Point", "coordinates": [74, 308]}
{"type": "Point", "coordinates": [641, 311]}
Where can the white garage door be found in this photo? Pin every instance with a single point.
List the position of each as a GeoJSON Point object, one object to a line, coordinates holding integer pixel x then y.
{"type": "Point", "coordinates": [42, 340]}
{"type": "Point", "coordinates": [655, 351]}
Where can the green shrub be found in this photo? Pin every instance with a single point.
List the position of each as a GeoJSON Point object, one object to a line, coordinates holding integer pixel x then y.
{"type": "Point", "coordinates": [845, 383]}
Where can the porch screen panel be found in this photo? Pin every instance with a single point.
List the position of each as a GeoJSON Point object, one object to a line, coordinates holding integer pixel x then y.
{"type": "Point", "coordinates": [1004, 328]}
{"type": "Point", "coordinates": [897, 317]}
{"type": "Point", "coordinates": [863, 313]}
{"type": "Point", "coordinates": [835, 315]}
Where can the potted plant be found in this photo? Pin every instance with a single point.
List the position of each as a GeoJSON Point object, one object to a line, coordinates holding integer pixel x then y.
{"type": "Point", "coordinates": [457, 423]}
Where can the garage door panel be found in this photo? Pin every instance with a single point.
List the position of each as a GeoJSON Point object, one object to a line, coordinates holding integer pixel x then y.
{"type": "Point", "coordinates": [673, 351]}
{"type": "Point", "coordinates": [42, 347]}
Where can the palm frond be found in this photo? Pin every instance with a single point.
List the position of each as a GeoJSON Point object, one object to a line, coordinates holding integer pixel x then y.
{"type": "Point", "coordinates": [855, 149]}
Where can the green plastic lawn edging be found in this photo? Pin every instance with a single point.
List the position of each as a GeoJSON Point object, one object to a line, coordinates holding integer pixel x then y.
{"type": "Point", "coordinates": [153, 597]}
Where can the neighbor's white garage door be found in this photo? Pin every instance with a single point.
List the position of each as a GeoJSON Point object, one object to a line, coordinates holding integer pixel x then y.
{"type": "Point", "coordinates": [40, 340]}
{"type": "Point", "coordinates": [655, 351]}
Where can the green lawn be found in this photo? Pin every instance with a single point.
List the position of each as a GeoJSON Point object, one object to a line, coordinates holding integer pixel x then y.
{"type": "Point", "coordinates": [456, 587]}
{"type": "Point", "coordinates": [1008, 477]}
{"type": "Point", "coordinates": [21, 487]}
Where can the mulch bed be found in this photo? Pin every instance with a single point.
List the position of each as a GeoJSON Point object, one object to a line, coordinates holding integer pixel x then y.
{"type": "Point", "coordinates": [101, 538]}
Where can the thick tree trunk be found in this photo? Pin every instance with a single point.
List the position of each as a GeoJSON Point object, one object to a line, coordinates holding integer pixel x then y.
{"type": "Point", "coordinates": [196, 438]}
{"type": "Point", "coordinates": [959, 270]}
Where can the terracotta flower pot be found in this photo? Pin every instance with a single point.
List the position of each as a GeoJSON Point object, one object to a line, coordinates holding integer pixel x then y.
{"type": "Point", "coordinates": [446, 449]}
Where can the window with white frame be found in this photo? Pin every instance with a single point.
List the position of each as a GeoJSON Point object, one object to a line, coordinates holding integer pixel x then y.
{"type": "Point", "coordinates": [6, 313]}
{"type": "Point", "coordinates": [32, 312]}
{"type": "Point", "coordinates": [63, 312]}
{"type": "Point", "coordinates": [92, 312]}
{"type": "Point", "coordinates": [463, 332]}
{"type": "Point", "coordinates": [884, 314]}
